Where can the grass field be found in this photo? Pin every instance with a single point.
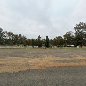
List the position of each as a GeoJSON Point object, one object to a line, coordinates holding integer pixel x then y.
{"type": "Point", "coordinates": [42, 67]}
{"type": "Point", "coordinates": [21, 59]}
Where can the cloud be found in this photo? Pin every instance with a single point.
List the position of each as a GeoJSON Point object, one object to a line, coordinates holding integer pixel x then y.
{"type": "Point", "coordinates": [41, 17]}
{"type": "Point", "coordinates": [79, 13]}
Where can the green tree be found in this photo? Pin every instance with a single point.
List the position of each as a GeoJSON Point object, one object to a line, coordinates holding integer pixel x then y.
{"type": "Point", "coordinates": [69, 38]}
{"type": "Point", "coordinates": [59, 41]}
{"type": "Point", "coordinates": [47, 42]}
{"type": "Point", "coordinates": [1, 36]}
{"type": "Point", "coordinates": [39, 41]}
{"type": "Point", "coordinates": [80, 34]}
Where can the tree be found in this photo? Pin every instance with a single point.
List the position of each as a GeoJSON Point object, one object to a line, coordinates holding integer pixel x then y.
{"type": "Point", "coordinates": [80, 34]}
{"type": "Point", "coordinates": [39, 41]}
{"type": "Point", "coordinates": [10, 38]}
{"type": "Point", "coordinates": [1, 36]}
{"type": "Point", "coordinates": [58, 41]}
{"type": "Point", "coordinates": [47, 42]}
{"type": "Point", "coordinates": [69, 38]}
{"type": "Point", "coordinates": [28, 42]}
{"type": "Point", "coordinates": [33, 42]}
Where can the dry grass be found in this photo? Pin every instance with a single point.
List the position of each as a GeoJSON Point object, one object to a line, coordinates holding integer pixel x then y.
{"type": "Point", "coordinates": [17, 64]}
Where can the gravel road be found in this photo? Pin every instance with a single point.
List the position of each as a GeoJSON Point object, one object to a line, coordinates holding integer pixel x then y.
{"type": "Point", "coordinates": [50, 77]}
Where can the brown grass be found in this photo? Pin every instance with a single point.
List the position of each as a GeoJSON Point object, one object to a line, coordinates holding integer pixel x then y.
{"type": "Point", "coordinates": [16, 64]}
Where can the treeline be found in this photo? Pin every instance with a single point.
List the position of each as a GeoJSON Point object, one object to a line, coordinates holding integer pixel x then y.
{"type": "Point", "coordinates": [77, 38]}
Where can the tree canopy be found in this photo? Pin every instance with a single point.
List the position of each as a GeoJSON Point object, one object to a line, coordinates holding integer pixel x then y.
{"type": "Point", "coordinates": [77, 38]}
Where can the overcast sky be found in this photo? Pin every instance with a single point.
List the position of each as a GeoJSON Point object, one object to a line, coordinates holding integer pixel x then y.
{"type": "Point", "coordinates": [41, 17]}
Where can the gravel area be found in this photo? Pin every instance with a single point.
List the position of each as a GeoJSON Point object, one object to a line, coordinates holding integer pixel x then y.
{"type": "Point", "coordinates": [48, 77]}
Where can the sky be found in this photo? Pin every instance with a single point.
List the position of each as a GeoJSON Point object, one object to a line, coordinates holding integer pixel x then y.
{"type": "Point", "coordinates": [41, 17]}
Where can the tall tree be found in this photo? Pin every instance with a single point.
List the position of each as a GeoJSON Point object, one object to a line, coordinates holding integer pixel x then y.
{"type": "Point", "coordinates": [1, 36]}
{"type": "Point", "coordinates": [47, 42]}
{"type": "Point", "coordinates": [69, 38]}
{"type": "Point", "coordinates": [80, 34]}
{"type": "Point", "coordinates": [39, 41]}
{"type": "Point", "coordinates": [58, 41]}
